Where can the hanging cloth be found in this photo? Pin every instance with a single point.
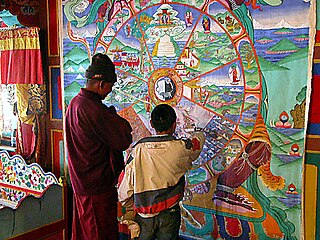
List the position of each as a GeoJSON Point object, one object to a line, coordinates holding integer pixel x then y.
{"type": "Point", "coordinates": [20, 56]}
{"type": "Point", "coordinates": [31, 105]}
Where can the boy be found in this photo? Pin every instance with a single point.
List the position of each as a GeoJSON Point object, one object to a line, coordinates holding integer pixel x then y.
{"type": "Point", "coordinates": [153, 181]}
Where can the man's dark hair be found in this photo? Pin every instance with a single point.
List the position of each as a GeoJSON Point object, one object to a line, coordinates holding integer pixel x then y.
{"type": "Point", "coordinates": [162, 117]}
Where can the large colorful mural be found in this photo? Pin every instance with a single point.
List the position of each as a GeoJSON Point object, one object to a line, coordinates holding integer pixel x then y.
{"type": "Point", "coordinates": [238, 70]}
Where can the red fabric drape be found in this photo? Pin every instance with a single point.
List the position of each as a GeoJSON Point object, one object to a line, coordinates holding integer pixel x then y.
{"type": "Point", "coordinates": [27, 142]}
{"type": "Point", "coordinates": [20, 56]}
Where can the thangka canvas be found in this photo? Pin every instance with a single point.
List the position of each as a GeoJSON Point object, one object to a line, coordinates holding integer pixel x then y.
{"type": "Point", "coordinates": [238, 70]}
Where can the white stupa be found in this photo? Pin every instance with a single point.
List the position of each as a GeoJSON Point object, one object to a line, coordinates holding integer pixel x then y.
{"type": "Point", "coordinates": [165, 47]}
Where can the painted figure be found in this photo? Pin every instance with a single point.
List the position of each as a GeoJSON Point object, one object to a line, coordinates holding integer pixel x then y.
{"type": "Point", "coordinates": [188, 18]}
{"type": "Point", "coordinates": [234, 75]}
{"type": "Point", "coordinates": [206, 24]}
{"type": "Point", "coordinates": [257, 154]}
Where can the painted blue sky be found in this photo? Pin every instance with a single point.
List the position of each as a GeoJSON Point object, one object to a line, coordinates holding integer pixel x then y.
{"type": "Point", "coordinates": [291, 13]}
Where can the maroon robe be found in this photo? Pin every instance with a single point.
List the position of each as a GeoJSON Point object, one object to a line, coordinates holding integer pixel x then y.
{"type": "Point", "coordinates": [96, 136]}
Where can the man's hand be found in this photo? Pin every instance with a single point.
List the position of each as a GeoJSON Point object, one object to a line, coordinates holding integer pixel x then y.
{"type": "Point", "coordinates": [112, 109]}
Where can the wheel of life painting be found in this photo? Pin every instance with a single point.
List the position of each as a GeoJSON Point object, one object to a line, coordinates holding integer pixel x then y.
{"type": "Point", "coordinates": [200, 60]}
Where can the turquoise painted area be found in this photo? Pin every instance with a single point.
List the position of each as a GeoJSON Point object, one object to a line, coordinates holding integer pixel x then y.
{"type": "Point", "coordinates": [286, 227]}
{"type": "Point", "coordinates": [206, 229]}
{"type": "Point", "coordinates": [295, 77]}
{"type": "Point", "coordinates": [318, 12]}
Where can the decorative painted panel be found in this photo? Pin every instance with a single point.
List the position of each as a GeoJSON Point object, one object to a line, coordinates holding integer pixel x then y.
{"type": "Point", "coordinates": [19, 180]}
{"type": "Point", "coordinates": [238, 70]}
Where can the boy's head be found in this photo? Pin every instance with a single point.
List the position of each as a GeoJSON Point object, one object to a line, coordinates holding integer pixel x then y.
{"type": "Point", "coordinates": [163, 119]}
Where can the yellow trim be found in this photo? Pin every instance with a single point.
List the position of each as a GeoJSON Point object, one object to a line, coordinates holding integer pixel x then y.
{"type": "Point", "coordinates": [241, 136]}
{"type": "Point", "coordinates": [24, 43]}
{"type": "Point", "coordinates": [20, 39]}
{"type": "Point", "coordinates": [313, 136]}
{"type": "Point", "coordinates": [311, 174]}
{"type": "Point", "coordinates": [239, 38]}
{"type": "Point", "coordinates": [312, 151]}
{"type": "Point", "coordinates": [252, 91]}
{"type": "Point", "coordinates": [209, 170]}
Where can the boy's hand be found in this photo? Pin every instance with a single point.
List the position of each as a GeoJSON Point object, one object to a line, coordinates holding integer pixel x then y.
{"type": "Point", "coordinates": [198, 129]}
{"type": "Point", "coordinates": [129, 215]}
{"type": "Point", "coordinates": [133, 227]}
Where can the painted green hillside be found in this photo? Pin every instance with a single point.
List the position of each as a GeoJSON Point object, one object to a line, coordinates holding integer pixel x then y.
{"type": "Point", "coordinates": [72, 67]}
{"type": "Point", "coordinates": [302, 53]}
{"type": "Point", "coordinates": [265, 39]}
{"type": "Point", "coordinates": [248, 105]}
{"type": "Point", "coordinates": [207, 66]}
{"type": "Point", "coordinates": [117, 44]}
{"type": "Point", "coordinates": [297, 135]}
{"type": "Point", "coordinates": [284, 45]}
{"type": "Point", "coordinates": [283, 30]}
{"type": "Point", "coordinates": [287, 147]}
{"type": "Point", "coordinates": [85, 63]}
{"type": "Point", "coordinates": [213, 88]}
{"type": "Point", "coordinates": [203, 37]}
{"type": "Point", "coordinates": [76, 54]}
{"type": "Point", "coordinates": [73, 87]}
{"type": "Point", "coordinates": [279, 137]}
{"type": "Point", "coordinates": [302, 36]}
{"type": "Point", "coordinates": [69, 64]}
{"type": "Point", "coordinates": [129, 49]}
{"type": "Point", "coordinates": [193, 70]}
{"type": "Point", "coordinates": [252, 77]}
{"type": "Point", "coordinates": [281, 143]}
{"type": "Point", "coordinates": [266, 65]}
{"type": "Point", "coordinates": [139, 108]}
{"type": "Point", "coordinates": [71, 90]}
{"type": "Point", "coordinates": [245, 129]}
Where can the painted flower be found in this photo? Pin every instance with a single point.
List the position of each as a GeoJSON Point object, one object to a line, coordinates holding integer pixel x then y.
{"type": "Point", "coordinates": [1, 174]}
{"type": "Point", "coordinates": [48, 181]}
{"type": "Point", "coordinates": [34, 178]}
{"type": "Point", "coordinates": [11, 175]}
{"type": "Point", "coordinates": [13, 196]}
{"type": "Point", "coordinates": [19, 168]}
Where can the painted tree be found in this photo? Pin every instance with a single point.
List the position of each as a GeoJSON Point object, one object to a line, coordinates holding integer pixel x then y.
{"type": "Point", "coordinates": [138, 27]}
{"type": "Point", "coordinates": [298, 113]}
{"type": "Point", "coordinates": [247, 53]}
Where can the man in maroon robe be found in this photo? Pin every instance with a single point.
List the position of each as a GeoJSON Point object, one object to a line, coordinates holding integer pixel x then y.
{"type": "Point", "coordinates": [96, 137]}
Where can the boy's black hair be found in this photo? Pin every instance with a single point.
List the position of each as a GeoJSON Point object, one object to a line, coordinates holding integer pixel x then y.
{"type": "Point", "coordinates": [162, 117]}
